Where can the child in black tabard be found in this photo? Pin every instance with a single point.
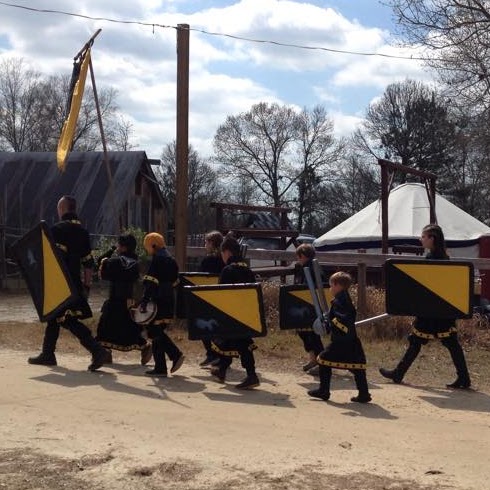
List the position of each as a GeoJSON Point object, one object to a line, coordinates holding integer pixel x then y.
{"type": "Point", "coordinates": [116, 329]}
{"type": "Point", "coordinates": [213, 264]}
{"type": "Point", "coordinates": [236, 271]}
{"type": "Point", "coordinates": [425, 329]}
{"type": "Point", "coordinates": [158, 286]}
{"type": "Point", "coordinates": [345, 349]}
{"type": "Point", "coordinates": [312, 342]}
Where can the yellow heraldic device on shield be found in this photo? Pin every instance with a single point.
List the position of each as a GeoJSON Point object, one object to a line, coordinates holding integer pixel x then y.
{"type": "Point", "coordinates": [49, 283]}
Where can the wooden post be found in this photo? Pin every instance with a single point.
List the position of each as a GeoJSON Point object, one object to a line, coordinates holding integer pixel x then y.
{"type": "Point", "coordinates": [432, 200]}
{"type": "Point", "coordinates": [385, 192]}
{"type": "Point", "coordinates": [361, 291]}
{"type": "Point", "coordinates": [182, 145]}
{"type": "Point", "coordinates": [116, 222]}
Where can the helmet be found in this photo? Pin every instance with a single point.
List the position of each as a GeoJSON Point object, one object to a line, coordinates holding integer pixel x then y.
{"type": "Point", "coordinates": [152, 242]}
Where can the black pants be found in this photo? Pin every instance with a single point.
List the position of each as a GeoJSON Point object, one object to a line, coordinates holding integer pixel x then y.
{"type": "Point", "coordinates": [247, 359]}
{"type": "Point", "coordinates": [359, 378]}
{"type": "Point", "coordinates": [210, 354]}
{"type": "Point", "coordinates": [311, 342]}
{"type": "Point", "coordinates": [451, 343]}
{"type": "Point", "coordinates": [76, 327]}
{"type": "Point", "coordinates": [162, 344]}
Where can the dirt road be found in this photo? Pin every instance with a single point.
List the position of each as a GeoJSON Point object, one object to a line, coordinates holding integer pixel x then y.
{"type": "Point", "coordinates": [64, 427]}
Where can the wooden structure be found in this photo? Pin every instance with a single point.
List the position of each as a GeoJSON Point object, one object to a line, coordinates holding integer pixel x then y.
{"type": "Point", "coordinates": [31, 185]}
{"type": "Point", "coordinates": [387, 171]}
{"type": "Point", "coordinates": [283, 232]}
{"type": "Point", "coordinates": [340, 259]}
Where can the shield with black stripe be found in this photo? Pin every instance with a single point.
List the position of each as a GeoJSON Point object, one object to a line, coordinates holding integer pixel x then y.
{"type": "Point", "coordinates": [225, 311]}
{"type": "Point", "coordinates": [43, 269]}
{"type": "Point", "coordinates": [296, 309]}
{"type": "Point", "coordinates": [429, 288]}
{"type": "Point", "coordinates": [191, 279]}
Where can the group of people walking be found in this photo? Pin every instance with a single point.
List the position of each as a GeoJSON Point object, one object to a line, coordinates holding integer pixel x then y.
{"type": "Point", "coordinates": [117, 329]}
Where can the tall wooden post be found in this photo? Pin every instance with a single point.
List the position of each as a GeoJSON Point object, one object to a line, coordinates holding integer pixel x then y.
{"type": "Point", "coordinates": [432, 200]}
{"type": "Point", "coordinates": [385, 192]}
{"type": "Point", "coordinates": [182, 145]}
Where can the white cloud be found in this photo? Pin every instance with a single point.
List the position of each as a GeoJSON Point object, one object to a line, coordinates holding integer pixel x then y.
{"type": "Point", "coordinates": [345, 124]}
{"type": "Point", "coordinates": [227, 76]}
{"type": "Point", "coordinates": [379, 71]}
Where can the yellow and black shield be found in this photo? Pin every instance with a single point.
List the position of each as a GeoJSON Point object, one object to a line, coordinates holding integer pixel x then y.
{"type": "Point", "coordinates": [49, 283]}
{"type": "Point", "coordinates": [296, 309]}
{"type": "Point", "coordinates": [191, 279]}
{"type": "Point", "coordinates": [429, 288]}
{"type": "Point", "coordinates": [225, 311]}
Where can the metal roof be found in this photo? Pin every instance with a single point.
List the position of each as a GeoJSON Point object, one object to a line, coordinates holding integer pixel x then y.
{"type": "Point", "coordinates": [31, 185]}
{"type": "Point", "coordinates": [266, 221]}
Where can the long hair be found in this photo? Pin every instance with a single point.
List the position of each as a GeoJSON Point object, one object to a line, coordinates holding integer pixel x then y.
{"type": "Point", "coordinates": [215, 238]}
{"type": "Point", "coordinates": [439, 245]}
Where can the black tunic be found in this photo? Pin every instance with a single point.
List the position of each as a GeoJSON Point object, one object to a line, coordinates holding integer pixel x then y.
{"type": "Point", "coordinates": [345, 349]}
{"type": "Point", "coordinates": [73, 241]}
{"type": "Point", "coordinates": [213, 264]}
{"type": "Point", "coordinates": [235, 272]}
{"type": "Point", "coordinates": [116, 329]}
{"type": "Point", "coordinates": [433, 328]}
{"type": "Point", "coordinates": [159, 284]}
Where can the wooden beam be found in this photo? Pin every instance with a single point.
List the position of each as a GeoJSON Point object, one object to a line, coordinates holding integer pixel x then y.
{"type": "Point", "coordinates": [246, 207]}
{"type": "Point", "coordinates": [405, 169]}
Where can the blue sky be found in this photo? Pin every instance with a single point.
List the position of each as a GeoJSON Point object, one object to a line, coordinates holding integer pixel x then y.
{"type": "Point", "coordinates": [227, 76]}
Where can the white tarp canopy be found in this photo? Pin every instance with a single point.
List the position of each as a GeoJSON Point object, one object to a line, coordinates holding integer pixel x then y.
{"type": "Point", "coordinates": [408, 213]}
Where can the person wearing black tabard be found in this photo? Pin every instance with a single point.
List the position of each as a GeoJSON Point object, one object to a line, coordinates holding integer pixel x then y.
{"type": "Point", "coordinates": [212, 264]}
{"type": "Point", "coordinates": [425, 329]}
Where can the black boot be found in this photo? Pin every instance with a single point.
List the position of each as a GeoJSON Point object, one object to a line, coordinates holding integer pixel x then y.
{"type": "Point", "coordinates": [251, 381]}
{"type": "Point", "coordinates": [457, 355]}
{"type": "Point", "coordinates": [362, 387]}
{"type": "Point", "coordinates": [392, 374]}
{"type": "Point", "coordinates": [47, 357]}
{"type": "Point", "coordinates": [99, 358]}
{"type": "Point", "coordinates": [323, 392]}
{"type": "Point", "coordinates": [397, 374]}
{"type": "Point", "coordinates": [43, 359]}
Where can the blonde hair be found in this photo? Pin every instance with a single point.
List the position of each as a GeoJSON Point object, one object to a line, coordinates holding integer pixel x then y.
{"type": "Point", "coordinates": [215, 238]}
{"type": "Point", "coordinates": [341, 278]}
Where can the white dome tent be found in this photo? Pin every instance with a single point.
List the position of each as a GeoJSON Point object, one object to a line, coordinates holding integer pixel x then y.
{"type": "Point", "coordinates": [408, 213]}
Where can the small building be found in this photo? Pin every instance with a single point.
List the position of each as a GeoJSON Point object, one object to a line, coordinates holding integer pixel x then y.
{"type": "Point", "coordinates": [31, 185]}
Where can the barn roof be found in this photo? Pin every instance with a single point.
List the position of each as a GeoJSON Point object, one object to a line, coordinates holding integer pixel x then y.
{"type": "Point", "coordinates": [31, 185]}
{"type": "Point", "coordinates": [266, 221]}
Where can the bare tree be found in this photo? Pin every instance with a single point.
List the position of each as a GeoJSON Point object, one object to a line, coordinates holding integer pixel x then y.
{"type": "Point", "coordinates": [20, 91]}
{"type": "Point", "coordinates": [411, 124]}
{"type": "Point", "coordinates": [456, 34]}
{"type": "Point", "coordinates": [203, 187]}
{"type": "Point", "coordinates": [318, 151]}
{"type": "Point", "coordinates": [32, 109]}
{"type": "Point", "coordinates": [352, 187]}
{"type": "Point", "coordinates": [119, 134]}
{"type": "Point", "coordinates": [258, 145]}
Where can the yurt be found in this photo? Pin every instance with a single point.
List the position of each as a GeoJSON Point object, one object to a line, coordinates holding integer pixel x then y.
{"type": "Point", "coordinates": [408, 213]}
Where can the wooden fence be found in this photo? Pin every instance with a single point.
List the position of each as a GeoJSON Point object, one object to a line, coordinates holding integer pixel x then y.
{"type": "Point", "coordinates": [338, 259]}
